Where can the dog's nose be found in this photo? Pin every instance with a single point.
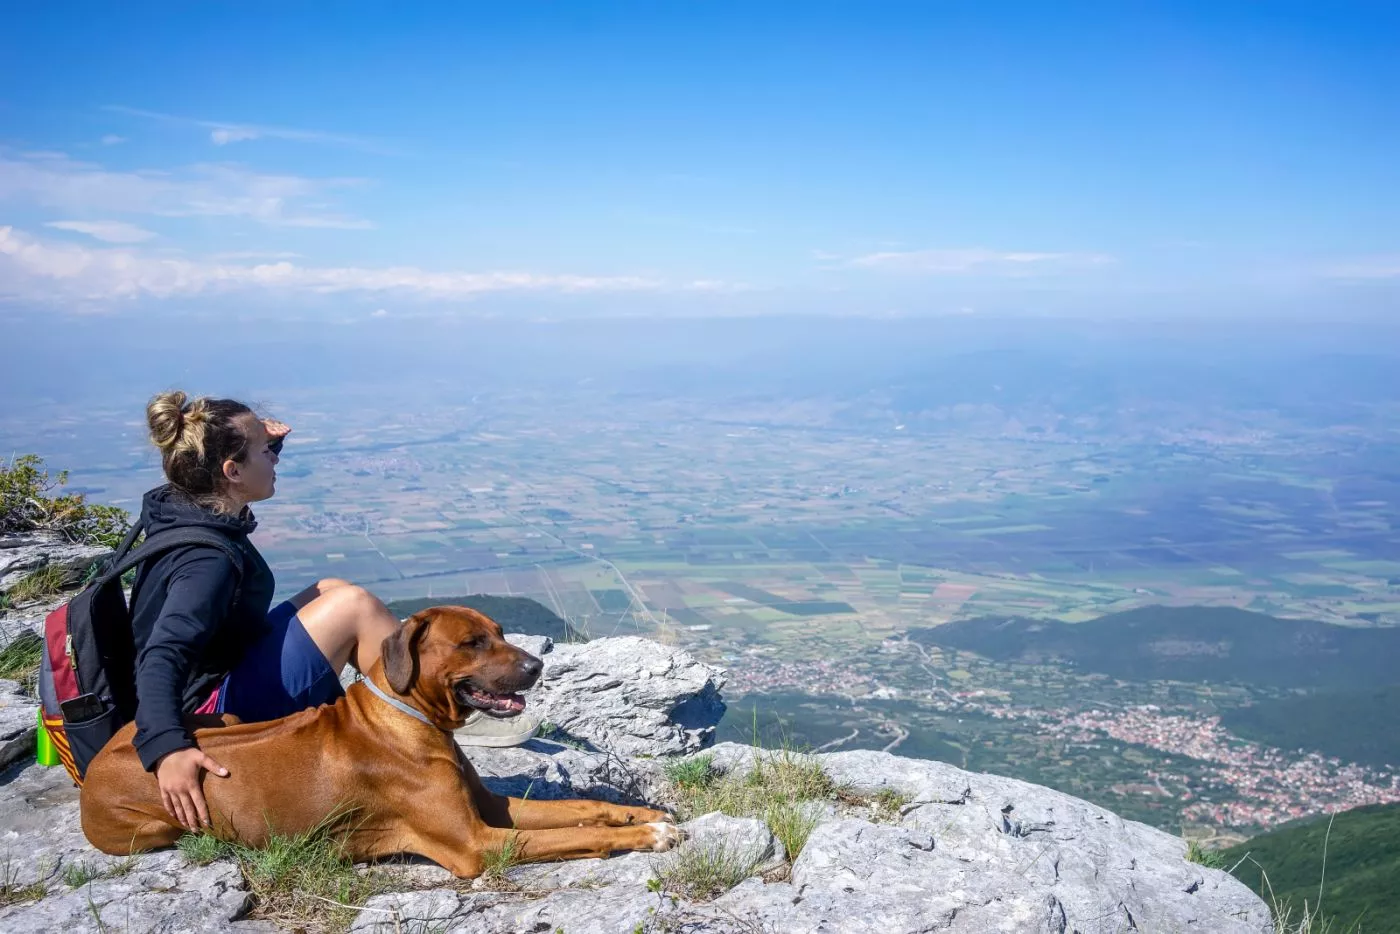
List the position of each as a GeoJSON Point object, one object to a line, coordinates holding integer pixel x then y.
{"type": "Point", "coordinates": [530, 668]}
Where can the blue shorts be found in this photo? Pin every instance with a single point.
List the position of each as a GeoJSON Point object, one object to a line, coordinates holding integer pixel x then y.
{"type": "Point", "coordinates": [283, 672]}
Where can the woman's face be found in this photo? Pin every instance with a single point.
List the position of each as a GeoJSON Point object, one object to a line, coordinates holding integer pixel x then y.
{"type": "Point", "coordinates": [255, 479]}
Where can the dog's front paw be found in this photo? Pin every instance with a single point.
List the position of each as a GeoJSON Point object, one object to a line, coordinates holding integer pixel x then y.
{"type": "Point", "coordinates": [666, 836]}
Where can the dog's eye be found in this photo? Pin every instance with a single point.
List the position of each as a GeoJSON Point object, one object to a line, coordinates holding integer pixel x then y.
{"type": "Point", "coordinates": [476, 643]}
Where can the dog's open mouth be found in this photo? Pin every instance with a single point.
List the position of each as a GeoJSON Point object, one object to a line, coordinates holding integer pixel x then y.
{"type": "Point", "coordinates": [497, 705]}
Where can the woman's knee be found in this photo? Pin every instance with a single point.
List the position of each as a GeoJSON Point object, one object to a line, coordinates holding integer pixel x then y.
{"type": "Point", "coordinates": [318, 590]}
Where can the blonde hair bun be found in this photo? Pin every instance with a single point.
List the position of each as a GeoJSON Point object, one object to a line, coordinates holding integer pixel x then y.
{"type": "Point", "coordinates": [177, 423]}
{"type": "Point", "coordinates": [165, 416]}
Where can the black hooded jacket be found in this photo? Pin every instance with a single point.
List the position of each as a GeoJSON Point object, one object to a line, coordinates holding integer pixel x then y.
{"type": "Point", "coordinates": [189, 634]}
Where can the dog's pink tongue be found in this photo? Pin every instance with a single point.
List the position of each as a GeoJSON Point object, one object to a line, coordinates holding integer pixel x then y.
{"type": "Point", "coordinates": [501, 702]}
{"type": "Point", "coordinates": [510, 702]}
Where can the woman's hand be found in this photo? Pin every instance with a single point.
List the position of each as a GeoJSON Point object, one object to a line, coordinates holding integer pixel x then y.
{"type": "Point", "coordinates": [177, 773]}
{"type": "Point", "coordinates": [276, 429]}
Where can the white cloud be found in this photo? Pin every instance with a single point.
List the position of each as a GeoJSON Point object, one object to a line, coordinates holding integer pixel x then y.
{"type": "Point", "coordinates": [222, 133]}
{"type": "Point", "coordinates": [107, 231]}
{"type": "Point", "coordinates": [32, 268]}
{"type": "Point", "coordinates": [379, 313]}
{"type": "Point", "coordinates": [112, 139]}
{"type": "Point", "coordinates": [979, 261]}
{"type": "Point", "coordinates": [55, 180]}
{"type": "Point", "coordinates": [1366, 267]}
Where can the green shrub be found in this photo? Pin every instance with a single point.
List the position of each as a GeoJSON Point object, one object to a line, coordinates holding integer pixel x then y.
{"type": "Point", "coordinates": [27, 506]}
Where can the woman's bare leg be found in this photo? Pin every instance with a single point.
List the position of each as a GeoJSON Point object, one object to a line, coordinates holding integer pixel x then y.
{"type": "Point", "coordinates": [347, 622]}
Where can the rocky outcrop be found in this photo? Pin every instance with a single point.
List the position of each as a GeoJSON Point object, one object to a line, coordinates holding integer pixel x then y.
{"type": "Point", "coordinates": [970, 853]}
{"type": "Point", "coordinates": [21, 555]}
{"type": "Point", "coordinates": [628, 695]}
{"type": "Point", "coordinates": [966, 852]}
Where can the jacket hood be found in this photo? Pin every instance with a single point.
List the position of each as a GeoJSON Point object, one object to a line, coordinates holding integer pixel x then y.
{"type": "Point", "coordinates": [167, 508]}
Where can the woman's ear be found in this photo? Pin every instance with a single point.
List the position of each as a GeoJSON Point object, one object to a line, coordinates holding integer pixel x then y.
{"type": "Point", "coordinates": [399, 653]}
{"type": "Point", "coordinates": [232, 471]}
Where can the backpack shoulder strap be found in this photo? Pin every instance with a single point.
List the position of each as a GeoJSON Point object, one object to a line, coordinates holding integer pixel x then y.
{"type": "Point", "coordinates": [163, 541]}
{"type": "Point", "coordinates": [127, 541]}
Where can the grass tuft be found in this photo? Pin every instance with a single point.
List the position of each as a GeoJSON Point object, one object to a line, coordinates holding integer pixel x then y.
{"type": "Point", "coordinates": [703, 872]}
{"type": "Point", "coordinates": [1211, 859]}
{"type": "Point", "coordinates": [499, 861]}
{"type": "Point", "coordinates": [300, 881]}
{"type": "Point", "coordinates": [775, 790]}
{"type": "Point", "coordinates": [201, 849]}
{"type": "Point", "coordinates": [693, 773]}
{"type": "Point", "coordinates": [11, 891]}
{"type": "Point", "coordinates": [41, 584]}
{"type": "Point", "coordinates": [20, 660]}
{"type": "Point", "coordinates": [792, 824]}
{"type": "Point", "coordinates": [76, 875]}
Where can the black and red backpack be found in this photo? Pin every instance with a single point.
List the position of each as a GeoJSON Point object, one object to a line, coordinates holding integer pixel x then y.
{"type": "Point", "coordinates": [87, 677]}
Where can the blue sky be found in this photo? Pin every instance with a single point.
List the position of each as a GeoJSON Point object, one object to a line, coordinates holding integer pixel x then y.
{"type": "Point", "coordinates": [596, 158]}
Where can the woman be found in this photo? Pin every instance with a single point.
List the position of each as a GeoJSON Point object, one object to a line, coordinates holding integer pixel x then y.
{"type": "Point", "coordinates": [206, 640]}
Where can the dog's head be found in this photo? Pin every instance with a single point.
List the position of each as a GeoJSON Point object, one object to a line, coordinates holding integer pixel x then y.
{"type": "Point", "coordinates": [455, 660]}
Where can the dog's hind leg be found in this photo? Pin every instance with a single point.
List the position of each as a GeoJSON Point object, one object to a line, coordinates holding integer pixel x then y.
{"type": "Point", "coordinates": [466, 858]}
{"type": "Point", "coordinates": [525, 814]}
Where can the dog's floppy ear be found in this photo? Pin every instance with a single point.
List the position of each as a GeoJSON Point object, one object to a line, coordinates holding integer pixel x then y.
{"type": "Point", "coordinates": [400, 653]}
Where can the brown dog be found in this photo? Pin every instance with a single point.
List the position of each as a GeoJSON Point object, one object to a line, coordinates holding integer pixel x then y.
{"type": "Point", "coordinates": [389, 782]}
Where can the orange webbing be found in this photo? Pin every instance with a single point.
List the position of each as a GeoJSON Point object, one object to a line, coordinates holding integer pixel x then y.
{"type": "Point", "coordinates": [60, 743]}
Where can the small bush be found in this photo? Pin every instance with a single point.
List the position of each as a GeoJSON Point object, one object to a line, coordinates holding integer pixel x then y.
{"type": "Point", "coordinates": [27, 506]}
{"type": "Point", "coordinates": [703, 872]}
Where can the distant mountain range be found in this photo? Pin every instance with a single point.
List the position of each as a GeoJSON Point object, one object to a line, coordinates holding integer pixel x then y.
{"type": "Point", "coordinates": [1362, 884]}
{"type": "Point", "coordinates": [1197, 644]}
